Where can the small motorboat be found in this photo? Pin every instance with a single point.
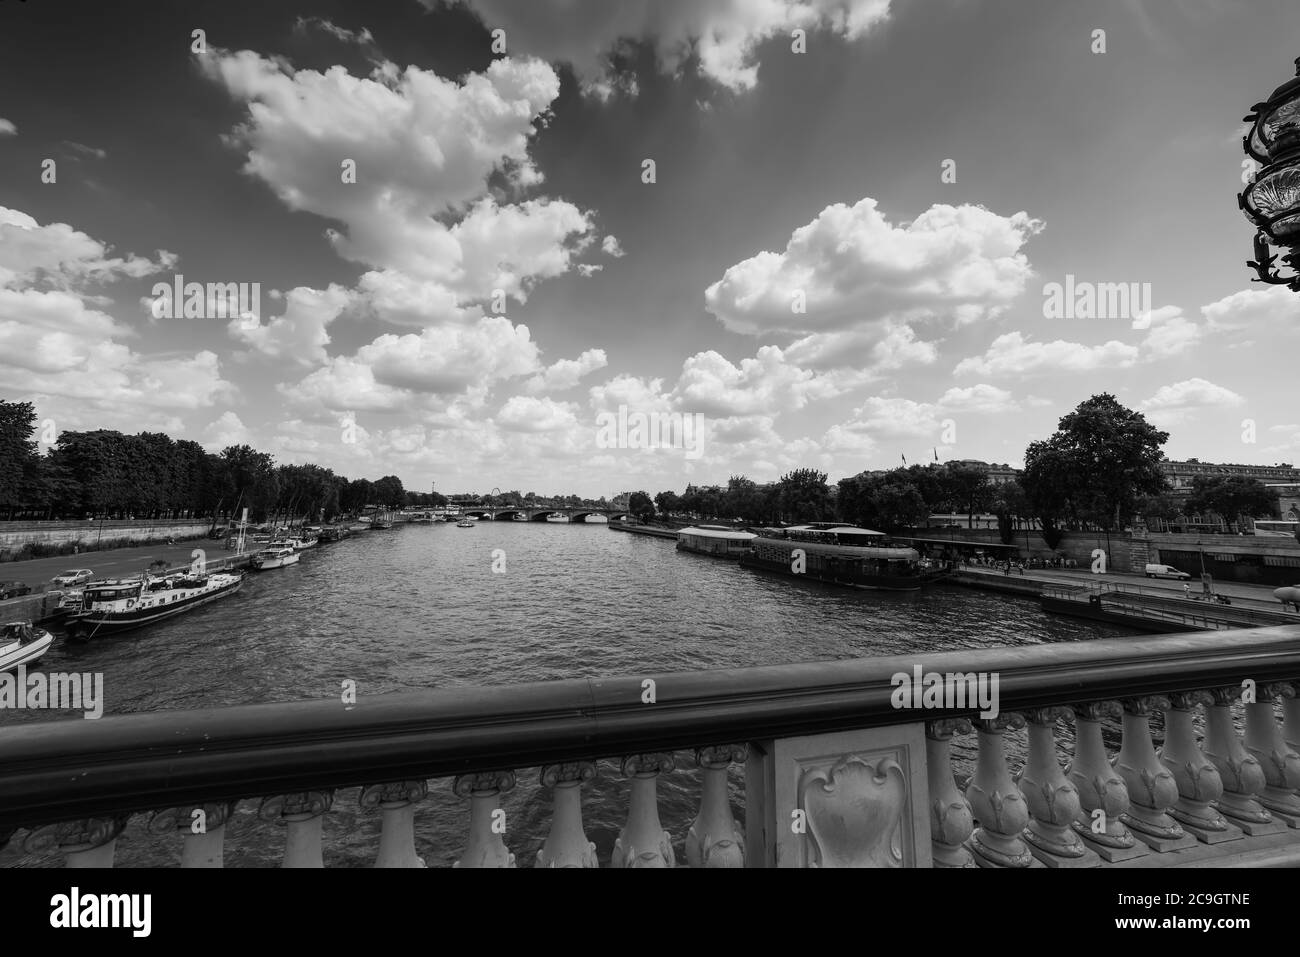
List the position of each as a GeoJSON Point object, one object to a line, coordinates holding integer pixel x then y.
{"type": "Point", "coordinates": [21, 644]}
{"type": "Point", "coordinates": [277, 556]}
{"type": "Point", "coordinates": [465, 523]}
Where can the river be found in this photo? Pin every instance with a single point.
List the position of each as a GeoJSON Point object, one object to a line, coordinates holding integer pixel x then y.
{"type": "Point", "coordinates": [421, 606]}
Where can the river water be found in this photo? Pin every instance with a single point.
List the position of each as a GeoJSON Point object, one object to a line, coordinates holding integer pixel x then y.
{"type": "Point", "coordinates": [420, 606]}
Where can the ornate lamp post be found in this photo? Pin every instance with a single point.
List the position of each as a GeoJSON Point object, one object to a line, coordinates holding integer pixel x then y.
{"type": "Point", "coordinates": [1272, 201]}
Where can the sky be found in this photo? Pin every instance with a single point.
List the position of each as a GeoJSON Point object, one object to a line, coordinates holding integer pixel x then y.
{"type": "Point", "coordinates": [832, 233]}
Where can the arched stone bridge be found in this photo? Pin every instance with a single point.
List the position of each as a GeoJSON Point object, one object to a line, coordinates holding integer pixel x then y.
{"type": "Point", "coordinates": [507, 513]}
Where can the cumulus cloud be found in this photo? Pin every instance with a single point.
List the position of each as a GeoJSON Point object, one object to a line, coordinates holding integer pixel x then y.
{"type": "Point", "coordinates": [721, 36]}
{"type": "Point", "coordinates": [611, 247]}
{"type": "Point", "coordinates": [894, 417]}
{"type": "Point", "coordinates": [567, 373]}
{"type": "Point", "coordinates": [426, 370]}
{"type": "Point", "coordinates": [524, 413]}
{"type": "Point", "coordinates": [851, 267]}
{"type": "Point", "coordinates": [299, 335]}
{"type": "Point", "coordinates": [426, 150]}
{"type": "Point", "coordinates": [224, 431]}
{"type": "Point", "coordinates": [1270, 312]}
{"type": "Point", "coordinates": [58, 255]}
{"type": "Point", "coordinates": [1013, 354]}
{"type": "Point", "coordinates": [7, 128]}
{"type": "Point", "coordinates": [1177, 402]}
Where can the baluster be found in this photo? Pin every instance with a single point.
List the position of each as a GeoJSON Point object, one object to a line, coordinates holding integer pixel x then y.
{"type": "Point", "coordinates": [203, 827]}
{"type": "Point", "coordinates": [89, 842]}
{"type": "Point", "coordinates": [1151, 787]}
{"type": "Point", "coordinates": [1053, 801]}
{"type": "Point", "coordinates": [714, 840]}
{"type": "Point", "coordinates": [1281, 764]}
{"type": "Point", "coordinates": [566, 843]}
{"type": "Point", "coordinates": [486, 847]}
{"type": "Point", "coordinates": [303, 814]}
{"type": "Point", "coordinates": [396, 801]}
{"type": "Point", "coordinates": [951, 822]}
{"type": "Point", "coordinates": [1100, 788]}
{"type": "Point", "coordinates": [1243, 777]}
{"type": "Point", "coordinates": [997, 804]}
{"type": "Point", "coordinates": [1199, 784]}
{"type": "Point", "coordinates": [1291, 718]}
{"type": "Point", "coordinates": [643, 842]}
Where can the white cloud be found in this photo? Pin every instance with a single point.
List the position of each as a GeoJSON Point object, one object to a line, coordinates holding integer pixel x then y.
{"type": "Point", "coordinates": [854, 268]}
{"type": "Point", "coordinates": [611, 247]}
{"type": "Point", "coordinates": [1012, 354]}
{"type": "Point", "coordinates": [224, 431]}
{"type": "Point", "coordinates": [723, 34]}
{"type": "Point", "coordinates": [567, 373]}
{"type": "Point", "coordinates": [7, 128]}
{"type": "Point", "coordinates": [523, 413]}
{"type": "Point", "coordinates": [299, 335]}
{"type": "Point", "coordinates": [586, 270]}
{"type": "Point", "coordinates": [62, 256]}
{"type": "Point", "coordinates": [1176, 402]}
{"type": "Point", "coordinates": [1269, 312]}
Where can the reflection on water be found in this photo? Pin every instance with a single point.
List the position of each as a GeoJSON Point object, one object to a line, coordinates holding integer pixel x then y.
{"type": "Point", "coordinates": [420, 607]}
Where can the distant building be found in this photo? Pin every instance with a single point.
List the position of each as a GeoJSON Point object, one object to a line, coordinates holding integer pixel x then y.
{"type": "Point", "coordinates": [996, 474]}
{"type": "Point", "coordinates": [1181, 475]}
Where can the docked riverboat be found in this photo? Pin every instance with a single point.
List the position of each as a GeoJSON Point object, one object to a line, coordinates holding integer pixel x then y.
{"type": "Point", "coordinates": [277, 555]}
{"type": "Point", "coordinates": [718, 541]}
{"type": "Point", "coordinates": [21, 644]}
{"type": "Point", "coordinates": [840, 555]}
{"type": "Point", "coordinates": [117, 605]}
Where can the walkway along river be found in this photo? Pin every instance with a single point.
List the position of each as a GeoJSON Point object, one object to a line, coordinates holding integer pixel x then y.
{"type": "Point", "coordinates": [420, 606]}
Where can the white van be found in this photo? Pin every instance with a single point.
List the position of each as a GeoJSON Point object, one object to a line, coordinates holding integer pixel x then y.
{"type": "Point", "coordinates": [1165, 571]}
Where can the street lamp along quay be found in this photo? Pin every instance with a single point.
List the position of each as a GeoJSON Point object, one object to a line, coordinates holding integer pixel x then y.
{"type": "Point", "coordinates": [1272, 200]}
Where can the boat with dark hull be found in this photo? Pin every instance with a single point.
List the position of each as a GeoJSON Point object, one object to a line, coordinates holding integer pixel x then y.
{"type": "Point", "coordinates": [110, 607]}
{"type": "Point", "coordinates": [840, 555]}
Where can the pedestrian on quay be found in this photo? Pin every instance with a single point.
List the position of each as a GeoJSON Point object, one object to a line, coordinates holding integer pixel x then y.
{"type": "Point", "coordinates": [1187, 590]}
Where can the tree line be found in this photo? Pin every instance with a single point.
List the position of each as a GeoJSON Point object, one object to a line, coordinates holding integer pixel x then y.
{"type": "Point", "coordinates": [108, 474]}
{"type": "Point", "coordinates": [1098, 472]}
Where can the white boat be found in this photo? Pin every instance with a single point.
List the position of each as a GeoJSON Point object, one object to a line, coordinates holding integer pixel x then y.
{"type": "Point", "coordinates": [465, 523]}
{"type": "Point", "coordinates": [21, 644]}
{"type": "Point", "coordinates": [275, 557]}
{"type": "Point", "coordinates": [558, 519]}
{"type": "Point", "coordinates": [118, 605]}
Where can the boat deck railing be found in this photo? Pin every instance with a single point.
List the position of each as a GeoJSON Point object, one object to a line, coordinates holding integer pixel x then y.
{"type": "Point", "coordinates": [844, 763]}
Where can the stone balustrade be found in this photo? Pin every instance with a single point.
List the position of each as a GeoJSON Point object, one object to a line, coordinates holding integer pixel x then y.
{"type": "Point", "coordinates": [1167, 751]}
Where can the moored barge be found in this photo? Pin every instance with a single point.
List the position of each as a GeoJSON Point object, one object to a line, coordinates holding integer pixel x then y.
{"type": "Point", "coordinates": [118, 605]}
{"type": "Point", "coordinates": [717, 541]}
{"type": "Point", "coordinates": [840, 555]}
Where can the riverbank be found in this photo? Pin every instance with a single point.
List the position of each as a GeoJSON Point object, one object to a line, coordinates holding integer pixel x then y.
{"type": "Point", "coordinates": [651, 530]}
{"type": "Point", "coordinates": [27, 541]}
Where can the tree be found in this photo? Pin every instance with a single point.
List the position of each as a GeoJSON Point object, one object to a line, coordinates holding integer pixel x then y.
{"type": "Point", "coordinates": [388, 492]}
{"type": "Point", "coordinates": [1094, 469]}
{"type": "Point", "coordinates": [639, 504]}
{"type": "Point", "coordinates": [1009, 504]}
{"type": "Point", "coordinates": [969, 487]}
{"type": "Point", "coordinates": [804, 496]}
{"type": "Point", "coordinates": [19, 459]}
{"type": "Point", "coordinates": [668, 503]}
{"type": "Point", "coordinates": [1232, 496]}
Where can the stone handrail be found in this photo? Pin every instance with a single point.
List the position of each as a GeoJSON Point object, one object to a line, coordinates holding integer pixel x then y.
{"type": "Point", "coordinates": [76, 782]}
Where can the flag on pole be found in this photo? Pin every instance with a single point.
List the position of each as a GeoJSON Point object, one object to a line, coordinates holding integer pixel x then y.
{"type": "Point", "coordinates": [936, 455]}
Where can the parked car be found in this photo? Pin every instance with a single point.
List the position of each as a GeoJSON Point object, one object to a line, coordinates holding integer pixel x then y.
{"type": "Point", "coordinates": [1165, 571]}
{"type": "Point", "coordinates": [13, 590]}
{"type": "Point", "coordinates": [72, 577]}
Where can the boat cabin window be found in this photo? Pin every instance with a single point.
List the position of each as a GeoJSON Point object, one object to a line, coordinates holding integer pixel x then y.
{"type": "Point", "coordinates": [111, 594]}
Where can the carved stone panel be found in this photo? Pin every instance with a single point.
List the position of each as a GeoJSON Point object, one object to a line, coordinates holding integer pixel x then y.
{"type": "Point", "coordinates": [852, 799]}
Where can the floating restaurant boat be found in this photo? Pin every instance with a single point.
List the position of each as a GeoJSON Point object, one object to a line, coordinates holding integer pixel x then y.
{"type": "Point", "coordinates": [840, 555]}
{"type": "Point", "coordinates": [117, 605]}
{"type": "Point", "coordinates": [277, 555]}
{"type": "Point", "coordinates": [719, 541]}
{"type": "Point", "coordinates": [21, 644]}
